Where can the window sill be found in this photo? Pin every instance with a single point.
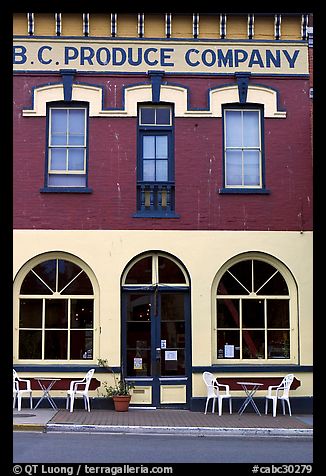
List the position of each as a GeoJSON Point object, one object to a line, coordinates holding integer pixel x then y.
{"type": "Point", "coordinates": [246, 191]}
{"type": "Point", "coordinates": [66, 190]}
{"type": "Point", "coordinates": [153, 214]}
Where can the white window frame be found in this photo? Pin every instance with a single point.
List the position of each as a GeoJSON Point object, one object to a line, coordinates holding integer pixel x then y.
{"type": "Point", "coordinates": [66, 147]}
{"type": "Point", "coordinates": [243, 148]}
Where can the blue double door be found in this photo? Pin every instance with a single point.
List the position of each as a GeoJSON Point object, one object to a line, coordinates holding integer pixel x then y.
{"type": "Point", "coordinates": [156, 343]}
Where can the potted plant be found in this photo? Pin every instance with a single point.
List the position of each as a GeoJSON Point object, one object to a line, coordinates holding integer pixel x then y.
{"type": "Point", "coordinates": [120, 392]}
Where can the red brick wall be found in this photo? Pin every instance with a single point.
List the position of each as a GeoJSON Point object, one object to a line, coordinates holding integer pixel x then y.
{"type": "Point", "coordinates": [198, 166]}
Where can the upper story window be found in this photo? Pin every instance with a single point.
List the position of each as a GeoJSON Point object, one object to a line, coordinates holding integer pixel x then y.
{"type": "Point", "coordinates": [66, 168]}
{"type": "Point", "coordinates": [155, 169]}
{"type": "Point", "coordinates": [243, 149]}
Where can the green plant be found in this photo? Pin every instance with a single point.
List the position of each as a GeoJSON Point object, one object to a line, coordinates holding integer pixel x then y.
{"type": "Point", "coordinates": [120, 387]}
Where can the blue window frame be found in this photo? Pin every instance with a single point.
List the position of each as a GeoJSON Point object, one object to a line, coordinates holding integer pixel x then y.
{"type": "Point", "coordinates": [155, 167]}
{"type": "Point", "coordinates": [67, 148]}
{"type": "Point", "coordinates": [243, 154]}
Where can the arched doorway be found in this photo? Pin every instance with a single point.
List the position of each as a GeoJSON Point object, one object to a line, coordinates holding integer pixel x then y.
{"type": "Point", "coordinates": [156, 338]}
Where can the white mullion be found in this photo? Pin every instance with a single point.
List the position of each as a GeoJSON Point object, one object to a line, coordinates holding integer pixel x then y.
{"type": "Point", "coordinates": [67, 139]}
{"type": "Point", "coordinates": [240, 327]}
{"type": "Point", "coordinates": [242, 154]}
{"type": "Point", "coordinates": [265, 331]}
{"type": "Point", "coordinates": [57, 275]}
{"type": "Point", "coordinates": [155, 277]}
{"type": "Point", "coordinates": [43, 329]}
{"type": "Point", "coordinates": [252, 276]}
{"type": "Point", "coordinates": [68, 329]}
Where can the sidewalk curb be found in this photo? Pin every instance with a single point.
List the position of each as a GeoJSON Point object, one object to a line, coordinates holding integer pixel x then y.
{"type": "Point", "coordinates": [193, 431]}
{"type": "Point", "coordinates": [29, 427]}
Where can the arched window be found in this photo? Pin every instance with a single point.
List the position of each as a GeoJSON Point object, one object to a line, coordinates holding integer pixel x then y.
{"type": "Point", "coordinates": [253, 313]}
{"type": "Point", "coordinates": [56, 312]}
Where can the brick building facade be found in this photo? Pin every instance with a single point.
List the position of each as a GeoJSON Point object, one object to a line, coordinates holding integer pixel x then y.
{"type": "Point", "coordinates": [168, 159]}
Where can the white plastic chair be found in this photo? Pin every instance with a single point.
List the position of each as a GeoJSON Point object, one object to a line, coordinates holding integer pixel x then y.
{"type": "Point", "coordinates": [215, 392]}
{"type": "Point", "coordinates": [279, 392]}
{"type": "Point", "coordinates": [80, 387]}
{"type": "Point", "coordinates": [19, 391]}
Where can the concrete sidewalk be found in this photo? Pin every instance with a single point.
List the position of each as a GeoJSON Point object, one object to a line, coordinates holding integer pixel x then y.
{"type": "Point", "coordinates": [162, 421]}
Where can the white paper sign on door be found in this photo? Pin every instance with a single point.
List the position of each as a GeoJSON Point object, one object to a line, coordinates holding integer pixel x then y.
{"type": "Point", "coordinates": [171, 355]}
{"type": "Point", "coordinates": [138, 363]}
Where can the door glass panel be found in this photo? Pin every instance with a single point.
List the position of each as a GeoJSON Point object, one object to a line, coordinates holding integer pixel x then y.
{"type": "Point", "coordinates": [172, 334]}
{"type": "Point", "coordinates": [138, 334]}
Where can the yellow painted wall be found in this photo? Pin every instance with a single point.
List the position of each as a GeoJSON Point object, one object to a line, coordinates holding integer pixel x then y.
{"type": "Point", "coordinates": [182, 26]}
{"type": "Point", "coordinates": [154, 25]}
{"type": "Point", "coordinates": [237, 27]}
{"type": "Point", "coordinates": [19, 26]}
{"type": "Point", "coordinates": [72, 24]}
{"type": "Point", "coordinates": [44, 24]}
{"type": "Point", "coordinates": [127, 25]}
{"type": "Point", "coordinates": [264, 28]}
{"type": "Point", "coordinates": [99, 24]}
{"type": "Point", "coordinates": [117, 248]}
{"type": "Point", "coordinates": [291, 27]}
{"type": "Point", "coordinates": [209, 26]}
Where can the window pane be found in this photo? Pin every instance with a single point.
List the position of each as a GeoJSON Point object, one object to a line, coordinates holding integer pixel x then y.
{"type": "Point", "coordinates": [81, 345]}
{"type": "Point", "coordinates": [66, 180]}
{"type": "Point", "coordinates": [141, 272]}
{"type": "Point", "coordinates": [76, 121]}
{"type": "Point", "coordinates": [76, 159]}
{"type": "Point", "coordinates": [161, 170]}
{"type": "Point", "coordinates": [76, 139]}
{"type": "Point", "coordinates": [163, 116]}
{"type": "Point", "coordinates": [149, 147]}
{"type": "Point", "coordinates": [253, 313]}
{"type": "Point", "coordinates": [59, 121]}
{"type": "Point", "coordinates": [33, 285]}
{"type": "Point", "coordinates": [242, 271]}
{"type": "Point", "coordinates": [278, 344]}
{"type": "Point", "coordinates": [149, 170]}
{"type": "Point", "coordinates": [56, 313]}
{"type": "Point", "coordinates": [262, 273]}
{"type": "Point", "coordinates": [228, 313]}
{"type": "Point", "coordinates": [145, 369]}
{"type": "Point", "coordinates": [30, 345]}
{"type": "Point", "coordinates": [278, 313]}
{"type": "Point", "coordinates": [161, 147]}
{"type": "Point", "coordinates": [251, 169]}
{"type": "Point", "coordinates": [233, 167]}
{"type": "Point", "coordinates": [173, 367]}
{"type": "Point", "coordinates": [147, 115]}
{"type": "Point", "coordinates": [66, 272]}
{"type": "Point", "coordinates": [169, 272]}
{"type": "Point", "coordinates": [81, 313]}
{"type": "Point", "coordinates": [55, 345]}
{"type": "Point", "coordinates": [233, 128]}
{"type": "Point", "coordinates": [47, 272]}
{"type": "Point", "coordinates": [172, 307]}
{"type": "Point", "coordinates": [228, 338]}
{"type": "Point", "coordinates": [253, 345]}
{"type": "Point", "coordinates": [58, 139]}
{"type": "Point", "coordinates": [58, 159]}
{"type": "Point", "coordinates": [275, 286]}
{"type": "Point", "coordinates": [251, 129]}
{"type": "Point", "coordinates": [30, 313]}
{"type": "Point", "coordinates": [81, 285]}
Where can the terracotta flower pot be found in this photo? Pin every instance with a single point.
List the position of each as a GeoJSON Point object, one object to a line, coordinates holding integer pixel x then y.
{"type": "Point", "coordinates": [121, 403]}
